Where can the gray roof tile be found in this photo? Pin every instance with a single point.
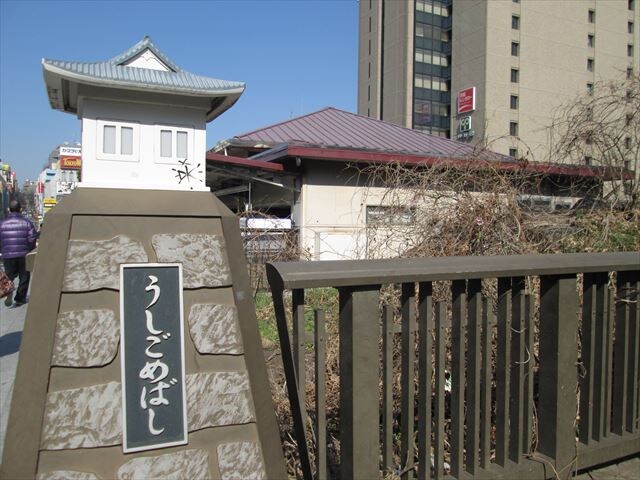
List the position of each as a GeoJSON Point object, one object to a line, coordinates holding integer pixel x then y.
{"type": "Point", "coordinates": [175, 80]}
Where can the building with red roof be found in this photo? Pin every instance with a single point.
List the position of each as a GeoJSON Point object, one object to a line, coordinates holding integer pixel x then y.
{"type": "Point", "coordinates": [309, 169]}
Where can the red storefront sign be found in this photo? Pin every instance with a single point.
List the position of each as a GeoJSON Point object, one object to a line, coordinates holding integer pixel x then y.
{"type": "Point", "coordinates": [467, 100]}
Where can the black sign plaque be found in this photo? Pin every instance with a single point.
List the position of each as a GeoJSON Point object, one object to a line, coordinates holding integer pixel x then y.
{"type": "Point", "coordinates": [154, 408]}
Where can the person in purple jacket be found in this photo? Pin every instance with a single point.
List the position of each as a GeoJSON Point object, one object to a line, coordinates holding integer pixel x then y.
{"type": "Point", "coordinates": [17, 238]}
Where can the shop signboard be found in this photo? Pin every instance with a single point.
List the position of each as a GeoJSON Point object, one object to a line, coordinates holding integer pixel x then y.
{"type": "Point", "coordinates": [152, 361]}
{"type": "Point", "coordinates": [65, 188]}
{"type": "Point", "coordinates": [467, 100]}
{"type": "Point", "coordinates": [70, 163]}
{"type": "Point", "coordinates": [70, 151]}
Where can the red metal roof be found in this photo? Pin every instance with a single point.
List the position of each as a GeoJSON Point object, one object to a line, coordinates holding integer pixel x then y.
{"type": "Point", "coordinates": [332, 134]}
{"type": "Point", "coordinates": [362, 156]}
{"type": "Point", "coordinates": [244, 162]}
{"type": "Point", "coordinates": [331, 127]}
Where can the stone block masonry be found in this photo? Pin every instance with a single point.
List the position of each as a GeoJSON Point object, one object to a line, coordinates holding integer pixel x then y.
{"type": "Point", "coordinates": [229, 415]}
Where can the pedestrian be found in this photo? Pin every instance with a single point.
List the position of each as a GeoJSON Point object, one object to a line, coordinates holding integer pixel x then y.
{"type": "Point", "coordinates": [17, 238]}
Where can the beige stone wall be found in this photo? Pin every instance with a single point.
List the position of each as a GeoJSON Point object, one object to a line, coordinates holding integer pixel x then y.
{"type": "Point", "coordinates": [82, 429]}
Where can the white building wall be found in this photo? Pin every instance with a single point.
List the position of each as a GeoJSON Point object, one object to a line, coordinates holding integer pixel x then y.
{"type": "Point", "coordinates": [334, 218]}
{"type": "Point", "coordinates": [145, 168]}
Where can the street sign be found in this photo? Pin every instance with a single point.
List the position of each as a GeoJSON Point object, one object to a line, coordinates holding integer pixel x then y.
{"type": "Point", "coordinates": [153, 372]}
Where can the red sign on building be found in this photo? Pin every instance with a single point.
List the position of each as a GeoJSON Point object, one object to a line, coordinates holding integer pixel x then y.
{"type": "Point", "coordinates": [467, 100]}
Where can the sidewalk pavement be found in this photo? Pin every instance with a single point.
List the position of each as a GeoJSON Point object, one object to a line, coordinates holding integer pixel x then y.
{"type": "Point", "coordinates": [11, 324]}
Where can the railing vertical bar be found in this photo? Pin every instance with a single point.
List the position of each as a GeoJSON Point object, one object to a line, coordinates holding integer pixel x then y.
{"type": "Point", "coordinates": [503, 362]}
{"type": "Point", "coordinates": [609, 315]}
{"type": "Point", "coordinates": [518, 358]}
{"type": "Point", "coordinates": [635, 320]}
{"type": "Point", "coordinates": [587, 378]}
{"type": "Point", "coordinates": [425, 370]}
{"type": "Point", "coordinates": [458, 323]}
{"type": "Point", "coordinates": [474, 363]}
{"type": "Point", "coordinates": [299, 334]}
{"type": "Point", "coordinates": [595, 300]}
{"type": "Point", "coordinates": [441, 315]}
{"type": "Point", "coordinates": [527, 432]}
{"type": "Point", "coordinates": [485, 397]}
{"type": "Point", "coordinates": [558, 354]}
{"type": "Point", "coordinates": [407, 378]}
{"type": "Point", "coordinates": [387, 386]}
{"type": "Point", "coordinates": [621, 354]}
{"type": "Point", "coordinates": [288, 362]}
{"type": "Point", "coordinates": [629, 297]}
{"type": "Point", "coordinates": [359, 376]}
{"type": "Point", "coordinates": [321, 420]}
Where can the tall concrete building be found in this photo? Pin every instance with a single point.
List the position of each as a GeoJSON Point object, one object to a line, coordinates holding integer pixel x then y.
{"type": "Point", "coordinates": [490, 70]}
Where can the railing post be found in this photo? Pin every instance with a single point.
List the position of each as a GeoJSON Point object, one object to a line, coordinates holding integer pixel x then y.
{"type": "Point", "coordinates": [359, 377]}
{"type": "Point", "coordinates": [558, 374]}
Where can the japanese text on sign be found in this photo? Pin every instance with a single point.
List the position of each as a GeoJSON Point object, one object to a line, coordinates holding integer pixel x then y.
{"type": "Point", "coordinates": [154, 407]}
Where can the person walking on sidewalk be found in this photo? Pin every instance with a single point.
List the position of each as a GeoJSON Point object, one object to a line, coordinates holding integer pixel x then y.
{"type": "Point", "coordinates": [17, 238]}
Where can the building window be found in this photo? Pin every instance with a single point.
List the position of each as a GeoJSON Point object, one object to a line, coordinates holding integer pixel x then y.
{"type": "Point", "coordinates": [629, 50]}
{"type": "Point", "coordinates": [515, 22]}
{"type": "Point", "coordinates": [173, 144]}
{"type": "Point", "coordinates": [627, 143]}
{"type": "Point", "coordinates": [429, 6]}
{"type": "Point", "coordinates": [631, 4]}
{"type": "Point", "coordinates": [515, 49]}
{"type": "Point", "coordinates": [588, 160]}
{"type": "Point", "coordinates": [513, 152]}
{"type": "Point", "coordinates": [590, 63]}
{"type": "Point", "coordinates": [515, 1]}
{"type": "Point", "coordinates": [515, 75]}
{"type": "Point", "coordinates": [630, 27]}
{"type": "Point", "coordinates": [433, 83]}
{"type": "Point", "coordinates": [117, 141]}
{"type": "Point", "coordinates": [629, 72]}
{"type": "Point", "coordinates": [592, 16]}
{"type": "Point", "coordinates": [513, 129]}
{"type": "Point", "coordinates": [589, 87]}
{"type": "Point", "coordinates": [591, 40]}
{"type": "Point", "coordinates": [369, 24]}
{"type": "Point", "coordinates": [433, 58]}
{"type": "Point", "coordinates": [513, 102]}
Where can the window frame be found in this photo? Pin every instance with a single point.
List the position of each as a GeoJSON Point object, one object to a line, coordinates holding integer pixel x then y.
{"type": "Point", "coordinates": [591, 64]}
{"type": "Point", "coordinates": [515, 22]}
{"type": "Point", "coordinates": [513, 129]}
{"type": "Point", "coordinates": [591, 16]}
{"type": "Point", "coordinates": [515, 75]}
{"type": "Point", "coordinates": [118, 156]}
{"type": "Point", "coordinates": [514, 102]}
{"type": "Point", "coordinates": [515, 49]}
{"type": "Point", "coordinates": [591, 40]}
{"type": "Point", "coordinates": [174, 129]}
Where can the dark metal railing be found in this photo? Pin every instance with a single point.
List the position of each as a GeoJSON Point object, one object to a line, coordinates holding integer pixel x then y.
{"type": "Point", "coordinates": [527, 365]}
